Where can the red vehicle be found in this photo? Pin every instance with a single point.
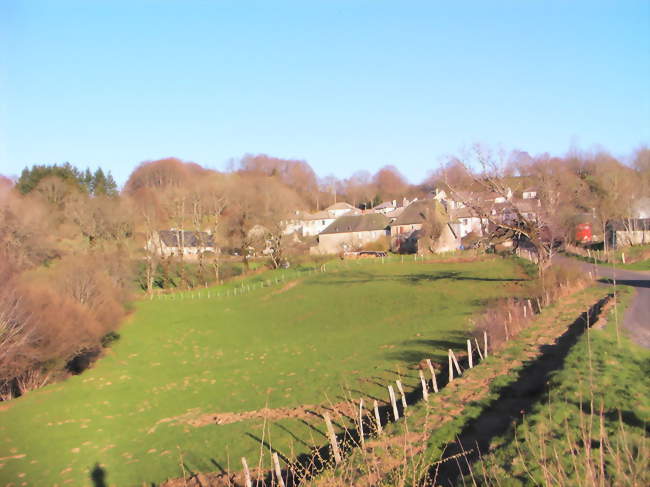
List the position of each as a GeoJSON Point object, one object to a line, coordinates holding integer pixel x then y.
{"type": "Point", "coordinates": [583, 233]}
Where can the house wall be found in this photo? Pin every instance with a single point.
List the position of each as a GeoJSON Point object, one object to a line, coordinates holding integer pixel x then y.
{"type": "Point", "coordinates": [397, 230]}
{"type": "Point", "coordinates": [625, 238]}
{"type": "Point", "coordinates": [333, 243]}
{"type": "Point", "coordinates": [159, 247]}
{"type": "Point", "coordinates": [467, 225]}
{"type": "Point", "coordinates": [337, 213]}
{"type": "Point", "coordinates": [314, 227]}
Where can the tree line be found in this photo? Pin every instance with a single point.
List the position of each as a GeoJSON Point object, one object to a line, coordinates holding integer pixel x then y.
{"type": "Point", "coordinates": [73, 248]}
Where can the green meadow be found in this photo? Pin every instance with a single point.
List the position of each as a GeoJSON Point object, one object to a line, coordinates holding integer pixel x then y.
{"type": "Point", "coordinates": [311, 338]}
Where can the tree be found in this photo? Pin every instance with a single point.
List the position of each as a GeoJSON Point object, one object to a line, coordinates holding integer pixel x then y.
{"type": "Point", "coordinates": [296, 174]}
{"type": "Point", "coordinates": [163, 173]}
{"type": "Point", "coordinates": [520, 227]}
{"type": "Point", "coordinates": [390, 183]}
{"type": "Point", "coordinates": [258, 206]}
{"type": "Point", "coordinates": [30, 178]}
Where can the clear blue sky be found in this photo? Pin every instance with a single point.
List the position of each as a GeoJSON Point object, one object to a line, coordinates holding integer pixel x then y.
{"type": "Point", "coordinates": [345, 85]}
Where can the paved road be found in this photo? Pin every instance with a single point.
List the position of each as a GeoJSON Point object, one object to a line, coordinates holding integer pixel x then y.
{"type": "Point", "coordinates": [637, 315]}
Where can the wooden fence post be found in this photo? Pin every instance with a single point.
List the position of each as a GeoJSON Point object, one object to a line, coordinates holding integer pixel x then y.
{"type": "Point", "coordinates": [393, 403]}
{"type": "Point", "coordinates": [332, 437]}
{"type": "Point", "coordinates": [425, 392]}
{"type": "Point", "coordinates": [363, 441]}
{"type": "Point", "coordinates": [247, 473]}
{"type": "Point", "coordinates": [377, 418]}
{"type": "Point", "coordinates": [455, 361]}
{"type": "Point", "coordinates": [278, 470]}
{"type": "Point", "coordinates": [451, 367]}
{"type": "Point", "coordinates": [433, 376]}
{"type": "Point", "coordinates": [485, 344]}
{"type": "Point", "coordinates": [478, 349]}
{"type": "Point", "coordinates": [401, 391]}
{"type": "Point", "coordinates": [469, 354]}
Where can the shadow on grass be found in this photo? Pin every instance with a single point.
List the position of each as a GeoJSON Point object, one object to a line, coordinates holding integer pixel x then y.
{"type": "Point", "coordinates": [411, 278]}
{"type": "Point", "coordinates": [434, 349]}
{"type": "Point", "coordinates": [508, 408]}
{"type": "Point", "coordinates": [98, 476]}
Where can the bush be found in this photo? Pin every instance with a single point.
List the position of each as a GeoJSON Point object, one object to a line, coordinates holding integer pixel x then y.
{"type": "Point", "coordinates": [505, 318]}
{"type": "Point", "coordinates": [382, 244]}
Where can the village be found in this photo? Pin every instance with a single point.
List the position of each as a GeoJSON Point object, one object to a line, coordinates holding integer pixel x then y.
{"type": "Point", "coordinates": [443, 221]}
{"type": "Point", "coordinates": [324, 244]}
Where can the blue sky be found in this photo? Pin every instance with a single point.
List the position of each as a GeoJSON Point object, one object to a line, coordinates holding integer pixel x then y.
{"type": "Point", "coordinates": [345, 85]}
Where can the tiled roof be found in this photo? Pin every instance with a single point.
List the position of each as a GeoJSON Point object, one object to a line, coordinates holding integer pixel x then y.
{"type": "Point", "coordinates": [357, 223]}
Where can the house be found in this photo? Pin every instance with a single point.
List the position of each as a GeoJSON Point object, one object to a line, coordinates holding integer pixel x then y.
{"type": "Point", "coordinates": [406, 230]}
{"type": "Point", "coordinates": [314, 223]}
{"type": "Point", "coordinates": [351, 232]}
{"type": "Point", "coordinates": [340, 209]}
{"type": "Point", "coordinates": [175, 242]}
{"type": "Point", "coordinates": [309, 224]}
{"type": "Point", "coordinates": [386, 207]}
{"type": "Point", "coordinates": [628, 231]}
{"type": "Point", "coordinates": [465, 221]}
{"type": "Point", "coordinates": [529, 194]}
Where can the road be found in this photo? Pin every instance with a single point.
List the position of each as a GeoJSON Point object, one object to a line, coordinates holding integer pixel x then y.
{"type": "Point", "coordinates": [637, 316]}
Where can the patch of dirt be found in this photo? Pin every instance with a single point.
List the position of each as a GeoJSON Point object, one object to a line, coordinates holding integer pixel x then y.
{"type": "Point", "coordinates": [283, 289]}
{"type": "Point", "coordinates": [195, 418]}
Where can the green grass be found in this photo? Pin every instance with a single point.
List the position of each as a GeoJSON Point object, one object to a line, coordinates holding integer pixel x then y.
{"type": "Point", "coordinates": [330, 335]}
{"type": "Point", "coordinates": [642, 265]}
{"type": "Point", "coordinates": [597, 369]}
{"type": "Point", "coordinates": [633, 256]}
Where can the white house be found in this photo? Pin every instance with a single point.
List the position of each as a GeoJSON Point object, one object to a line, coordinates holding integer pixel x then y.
{"type": "Point", "coordinates": [177, 242]}
{"type": "Point", "coordinates": [309, 224]}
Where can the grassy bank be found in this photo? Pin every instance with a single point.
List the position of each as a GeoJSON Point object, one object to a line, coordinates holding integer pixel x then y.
{"type": "Point", "coordinates": [590, 428]}
{"type": "Point", "coordinates": [313, 338]}
{"type": "Point", "coordinates": [637, 257]}
{"type": "Point", "coordinates": [478, 408]}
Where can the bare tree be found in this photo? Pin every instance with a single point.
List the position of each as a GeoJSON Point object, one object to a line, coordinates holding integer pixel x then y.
{"type": "Point", "coordinates": [519, 227]}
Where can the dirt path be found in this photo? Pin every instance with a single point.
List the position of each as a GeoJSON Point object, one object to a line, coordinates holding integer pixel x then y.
{"type": "Point", "coordinates": [637, 316]}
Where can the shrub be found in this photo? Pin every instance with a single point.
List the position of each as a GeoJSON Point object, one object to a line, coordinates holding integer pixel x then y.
{"type": "Point", "coordinates": [382, 244]}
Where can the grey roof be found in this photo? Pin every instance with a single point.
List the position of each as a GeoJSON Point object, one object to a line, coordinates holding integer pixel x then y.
{"type": "Point", "coordinates": [189, 238]}
{"type": "Point", "coordinates": [357, 223]}
{"type": "Point", "coordinates": [465, 212]}
{"type": "Point", "coordinates": [341, 205]}
{"type": "Point", "coordinates": [416, 212]}
{"type": "Point", "coordinates": [386, 204]}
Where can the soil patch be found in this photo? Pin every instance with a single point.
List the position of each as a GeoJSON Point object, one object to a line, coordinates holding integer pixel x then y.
{"type": "Point", "coordinates": [283, 289]}
{"type": "Point", "coordinates": [198, 419]}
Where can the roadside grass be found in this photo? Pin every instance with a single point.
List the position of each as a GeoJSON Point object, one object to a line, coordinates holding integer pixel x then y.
{"type": "Point", "coordinates": [410, 451]}
{"type": "Point", "coordinates": [314, 338]}
{"type": "Point", "coordinates": [590, 428]}
{"type": "Point", "coordinates": [636, 257]}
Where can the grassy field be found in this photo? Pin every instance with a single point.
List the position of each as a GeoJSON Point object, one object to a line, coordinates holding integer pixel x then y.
{"type": "Point", "coordinates": [314, 338]}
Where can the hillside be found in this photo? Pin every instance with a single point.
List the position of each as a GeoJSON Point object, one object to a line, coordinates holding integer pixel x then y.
{"type": "Point", "coordinates": [183, 388]}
